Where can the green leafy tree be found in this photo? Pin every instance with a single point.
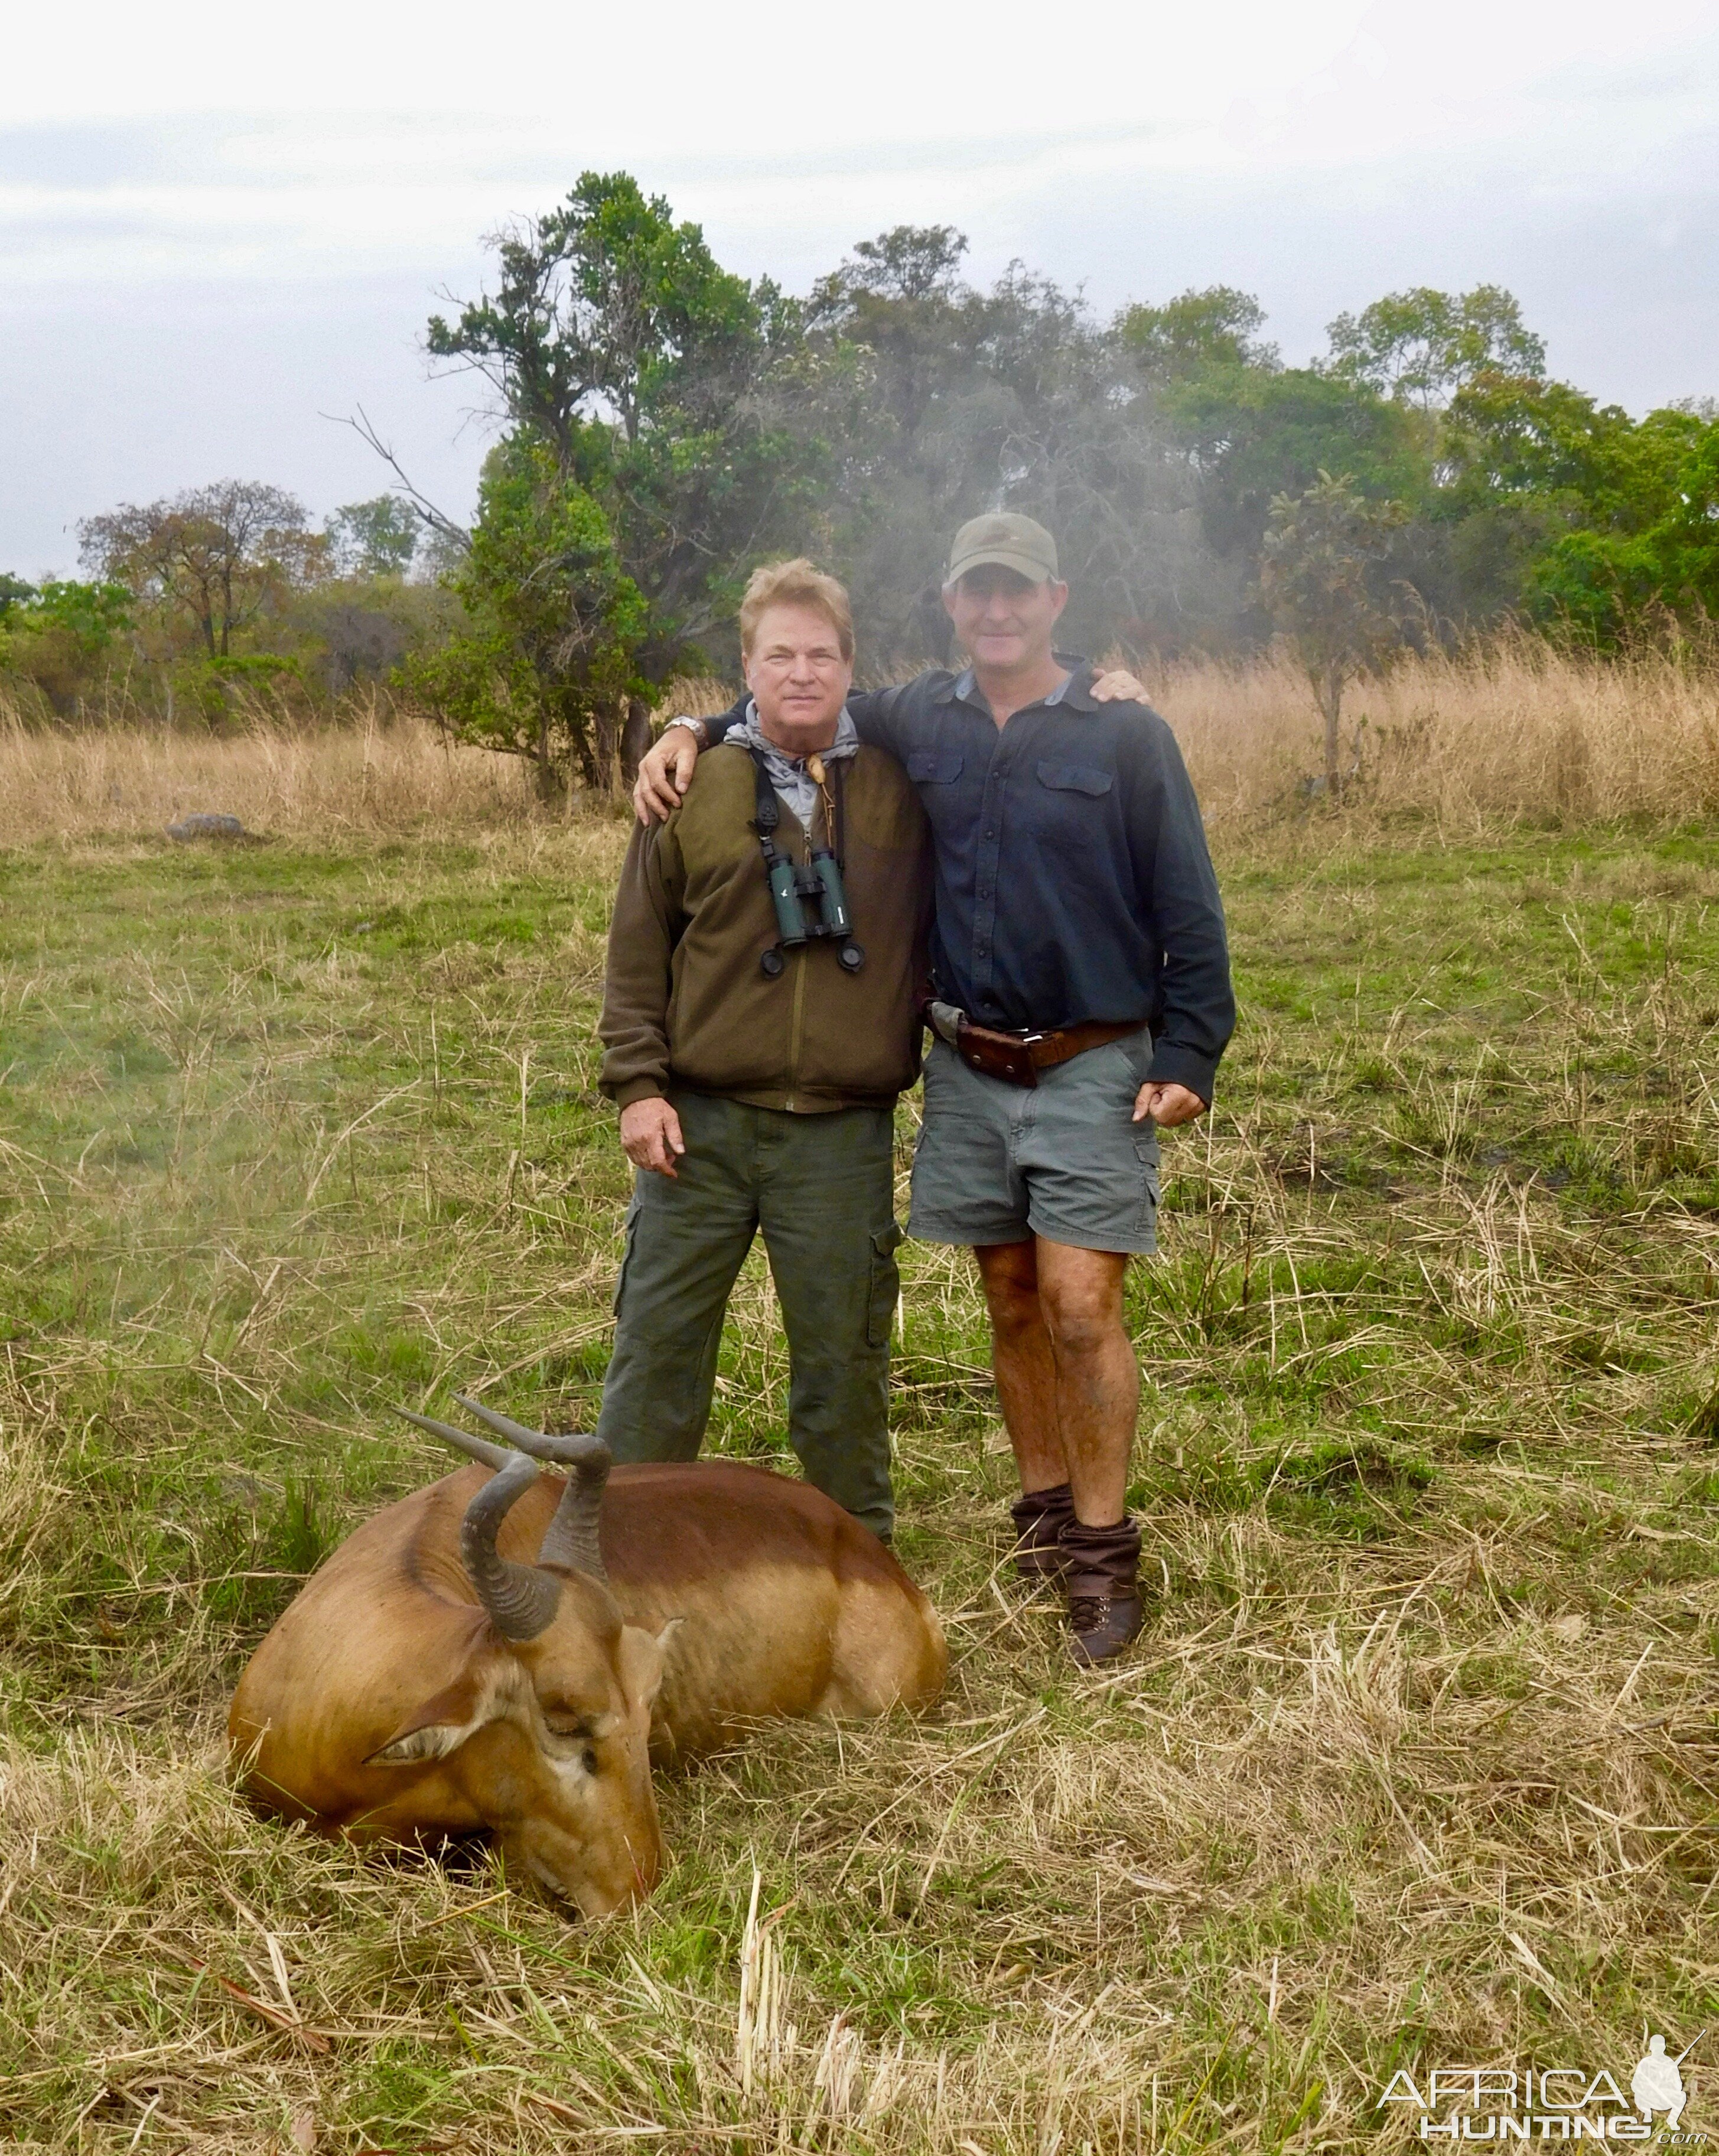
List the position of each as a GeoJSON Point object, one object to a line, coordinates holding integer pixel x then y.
{"type": "Point", "coordinates": [662, 383]}
{"type": "Point", "coordinates": [911, 461]}
{"type": "Point", "coordinates": [375, 538]}
{"type": "Point", "coordinates": [1421, 346]}
{"type": "Point", "coordinates": [59, 637]}
{"type": "Point", "coordinates": [1198, 333]}
{"type": "Point", "coordinates": [217, 555]}
{"type": "Point", "coordinates": [1320, 572]}
{"type": "Point", "coordinates": [13, 592]}
{"type": "Point", "coordinates": [1514, 436]}
{"type": "Point", "coordinates": [1254, 433]}
{"type": "Point", "coordinates": [547, 650]}
{"type": "Point", "coordinates": [1606, 586]}
{"type": "Point", "coordinates": [1595, 505]}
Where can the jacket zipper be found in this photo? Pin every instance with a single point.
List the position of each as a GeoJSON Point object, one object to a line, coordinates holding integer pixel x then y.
{"type": "Point", "coordinates": [796, 1023]}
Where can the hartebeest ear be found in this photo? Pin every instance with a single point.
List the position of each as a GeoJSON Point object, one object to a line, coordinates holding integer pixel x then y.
{"type": "Point", "coordinates": [642, 1659]}
{"type": "Point", "coordinates": [442, 1724]}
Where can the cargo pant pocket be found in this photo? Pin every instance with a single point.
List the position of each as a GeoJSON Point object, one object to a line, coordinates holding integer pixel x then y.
{"type": "Point", "coordinates": [630, 1237]}
{"type": "Point", "coordinates": [885, 1291]}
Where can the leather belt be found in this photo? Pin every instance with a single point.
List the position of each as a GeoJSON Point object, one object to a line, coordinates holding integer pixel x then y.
{"type": "Point", "coordinates": [1018, 1058]}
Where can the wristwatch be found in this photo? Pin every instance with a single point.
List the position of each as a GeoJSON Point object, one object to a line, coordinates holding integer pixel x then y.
{"type": "Point", "coordinates": [696, 727]}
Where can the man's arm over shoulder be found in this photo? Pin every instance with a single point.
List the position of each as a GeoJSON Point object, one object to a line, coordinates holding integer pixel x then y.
{"type": "Point", "coordinates": [881, 717]}
{"type": "Point", "coordinates": [645, 927]}
{"type": "Point", "coordinates": [716, 729]}
{"type": "Point", "coordinates": [1173, 867]}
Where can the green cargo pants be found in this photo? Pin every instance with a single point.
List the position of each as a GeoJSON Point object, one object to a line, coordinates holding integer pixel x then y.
{"type": "Point", "coordinates": [822, 1189]}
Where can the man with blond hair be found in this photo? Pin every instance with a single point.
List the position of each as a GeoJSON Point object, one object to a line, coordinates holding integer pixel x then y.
{"type": "Point", "coordinates": [759, 1017]}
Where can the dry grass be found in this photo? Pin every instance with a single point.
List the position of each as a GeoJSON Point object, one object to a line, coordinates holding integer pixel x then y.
{"type": "Point", "coordinates": [1510, 733]}
{"type": "Point", "coordinates": [1418, 1762]}
{"type": "Point", "coordinates": [382, 772]}
{"type": "Point", "coordinates": [1515, 733]}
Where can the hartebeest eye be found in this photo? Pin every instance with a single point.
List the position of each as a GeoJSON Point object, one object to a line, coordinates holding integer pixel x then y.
{"type": "Point", "coordinates": [565, 1730]}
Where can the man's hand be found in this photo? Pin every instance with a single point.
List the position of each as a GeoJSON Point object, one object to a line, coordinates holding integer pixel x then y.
{"type": "Point", "coordinates": [1118, 686]}
{"type": "Point", "coordinates": [1167, 1105]}
{"type": "Point", "coordinates": [664, 775]}
{"type": "Point", "coordinates": [651, 1132]}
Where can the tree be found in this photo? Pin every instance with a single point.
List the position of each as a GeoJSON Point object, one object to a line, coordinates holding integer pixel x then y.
{"type": "Point", "coordinates": [1318, 575]}
{"type": "Point", "coordinates": [220, 554]}
{"type": "Point", "coordinates": [1604, 586]}
{"type": "Point", "coordinates": [901, 300]}
{"type": "Point", "coordinates": [55, 637]}
{"type": "Point", "coordinates": [604, 307]}
{"type": "Point", "coordinates": [13, 592]}
{"type": "Point", "coordinates": [897, 319]}
{"type": "Point", "coordinates": [376, 538]}
{"type": "Point", "coordinates": [1256, 434]}
{"type": "Point", "coordinates": [1422, 345]}
{"type": "Point", "coordinates": [547, 654]}
{"type": "Point", "coordinates": [1015, 398]}
{"type": "Point", "coordinates": [1197, 333]}
{"type": "Point", "coordinates": [663, 384]}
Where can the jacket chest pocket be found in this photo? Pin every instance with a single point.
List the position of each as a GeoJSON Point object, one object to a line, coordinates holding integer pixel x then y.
{"type": "Point", "coordinates": [1070, 803]}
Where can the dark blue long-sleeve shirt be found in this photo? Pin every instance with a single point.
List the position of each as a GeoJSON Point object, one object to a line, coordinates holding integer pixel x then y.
{"type": "Point", "coordinates": [1073, 879]}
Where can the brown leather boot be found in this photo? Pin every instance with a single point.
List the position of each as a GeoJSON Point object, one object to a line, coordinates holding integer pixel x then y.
{"type": "Point", "coordinates": [1039, 1518]}
{"type": "Point", "coordinates": [1103, 1584]}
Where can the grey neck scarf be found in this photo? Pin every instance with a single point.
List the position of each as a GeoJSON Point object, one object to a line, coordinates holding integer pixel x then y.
{"type": "Point", "coordinates": [788, 775]}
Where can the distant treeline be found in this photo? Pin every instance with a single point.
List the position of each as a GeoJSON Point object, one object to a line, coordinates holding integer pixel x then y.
{"type": "Point", "coordinates": [665, 424]}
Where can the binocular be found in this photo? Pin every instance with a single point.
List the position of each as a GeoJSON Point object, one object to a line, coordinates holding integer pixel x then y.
{"type": "Point", "coordinates": [811, 906]}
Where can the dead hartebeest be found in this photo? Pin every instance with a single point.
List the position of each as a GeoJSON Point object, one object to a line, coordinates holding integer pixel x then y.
{"type": "Point", "coordinates": [506, 1652]}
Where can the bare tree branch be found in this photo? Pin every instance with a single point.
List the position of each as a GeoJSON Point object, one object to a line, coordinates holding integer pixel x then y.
{"type": "Point", "coordinates": [437, 520]}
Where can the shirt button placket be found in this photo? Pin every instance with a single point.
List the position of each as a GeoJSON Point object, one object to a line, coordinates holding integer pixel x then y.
{"type": "Point", "coordinates": [985, 918]}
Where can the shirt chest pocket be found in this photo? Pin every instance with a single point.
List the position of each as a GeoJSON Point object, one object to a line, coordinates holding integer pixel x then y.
{"type": "Point", "coordinates": [1068, 812]}
{"type": "Point", "coordinates": [934, 767]}
{"type": "Point", "coordinates": [1074, 779]}
{"type": "Point", "coordinates": [937, 774]}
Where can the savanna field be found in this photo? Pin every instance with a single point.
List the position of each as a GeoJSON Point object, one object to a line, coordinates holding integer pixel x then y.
{"type": "Point", "coordinates": [1418, 1763]}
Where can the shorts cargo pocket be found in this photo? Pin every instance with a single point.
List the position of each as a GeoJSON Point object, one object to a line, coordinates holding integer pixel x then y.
{"type": "Point", "coordinates": [886, 1287]}
{"type": "Point", "coordinates": [1146, 1151]}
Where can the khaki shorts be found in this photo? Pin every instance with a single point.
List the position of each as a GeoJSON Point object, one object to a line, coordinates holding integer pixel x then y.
{"type": "Point", "coordinates": [1001, 1164]}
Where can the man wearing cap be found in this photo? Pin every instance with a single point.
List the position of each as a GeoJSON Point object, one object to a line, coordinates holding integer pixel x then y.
{"type": "Point", "coordinates": [1082, 1000]}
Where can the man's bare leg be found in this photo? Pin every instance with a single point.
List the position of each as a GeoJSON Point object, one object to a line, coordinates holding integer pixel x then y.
{"type": "Point", "coordinates": [1071, 1391]}
{"type": "Point", "coordinates": [1066, 1375]}
{"type": "Point", "coordinates": [1024, 1362]}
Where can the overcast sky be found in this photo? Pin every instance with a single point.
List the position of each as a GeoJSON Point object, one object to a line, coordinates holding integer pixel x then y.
{"type": "Point", "coordinates": [217, 226]}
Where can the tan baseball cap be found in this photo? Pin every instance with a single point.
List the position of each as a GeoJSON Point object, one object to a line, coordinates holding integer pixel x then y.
{"type": "Point", "coordinates": [1011, 541]}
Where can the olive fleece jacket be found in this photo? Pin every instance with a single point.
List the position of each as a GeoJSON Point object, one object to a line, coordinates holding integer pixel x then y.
{"type": "Point", "coordinates": [686, 1001]}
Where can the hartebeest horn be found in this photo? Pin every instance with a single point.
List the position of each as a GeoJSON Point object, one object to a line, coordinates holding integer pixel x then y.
{"type": "Point", "coordinates": [570, 1538]}
{"type": "Point", "coordinates": [520, 1599]}
{"type": "Point", "coordinates": [474, 1448]}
